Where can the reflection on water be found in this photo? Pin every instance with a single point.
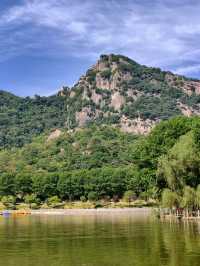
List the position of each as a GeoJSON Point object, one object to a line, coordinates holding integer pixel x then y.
{"type": "Point", "coordinates": [106, 239]}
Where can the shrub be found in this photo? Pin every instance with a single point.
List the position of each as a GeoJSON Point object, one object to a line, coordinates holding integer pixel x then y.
{"type": "Point", "coordinates": [32, 200]}
{"type": "Point", "coordinates": [34, 206]}
{"type": "Point", "coordinates": [54, 202]}
{"type": "Point", "coordinates": [92, 196]}
{"type": "Point", "coordinates": [189, 198]}
{"type": "Point", "coordinates": [9, 201]}
{"type": "Point", "coordinates": [106, 74]}
{"type": "Point", "coordinates": [129, 196]}
{"type": "Point", "coordinates": [169, 199]}
{"type": "Point", "coordinates": [83, 199]}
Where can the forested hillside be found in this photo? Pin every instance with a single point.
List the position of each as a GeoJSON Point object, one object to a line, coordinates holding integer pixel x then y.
{"type": "Point", "coordinates": [104, 162]}
{"type": "Point", "coordinates": [115, 91]}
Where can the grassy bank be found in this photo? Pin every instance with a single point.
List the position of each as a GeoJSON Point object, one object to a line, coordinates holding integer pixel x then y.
{"type": "Point", "coordinates": [82, 205]}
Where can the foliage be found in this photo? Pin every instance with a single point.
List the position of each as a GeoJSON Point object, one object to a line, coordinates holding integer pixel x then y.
{"type": "Point", "coordinates": [102, 161]}
{"type": "Point", "coordinates": [129, 196]}
{"type": "Point", "coordinates": [9, 201]}
{"type": "Point", "coordinates": [92, 196]}
{"type": "Point", "coordinates": [30, 199]}
{"type": "Point", "coordinates": [106, 74]}
{"type": "Point", "coordinates": [54, 201]}
{"type": "Point", "coordinates": [169, 199]}
{"type": "Point", "coordinates": [189, 198]}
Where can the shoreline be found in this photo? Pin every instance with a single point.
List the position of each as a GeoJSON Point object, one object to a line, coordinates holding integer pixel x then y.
{"type": "Point", "coordinates": [66, 212]}
{"type": "Point", "coordinates": [90, 211]}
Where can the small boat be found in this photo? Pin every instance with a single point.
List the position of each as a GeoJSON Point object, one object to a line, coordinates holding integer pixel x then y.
{"type": "Point", "coordinates": [21, 212]}
{"type": "Point", "coordinates": [6, 213]}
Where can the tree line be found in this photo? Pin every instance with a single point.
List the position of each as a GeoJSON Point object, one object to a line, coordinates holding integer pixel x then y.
{"type": "Point", "coordinates": [101, 162]}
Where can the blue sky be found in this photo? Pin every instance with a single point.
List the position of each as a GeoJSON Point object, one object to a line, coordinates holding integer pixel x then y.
{"type": "Point", "coordinates": [45, 44]}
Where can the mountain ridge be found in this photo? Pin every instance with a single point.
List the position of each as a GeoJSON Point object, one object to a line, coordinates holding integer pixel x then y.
{"type": "Point", "coordinates": [119, 89]}
{"type": "Point", "coordinates": [116, 91]}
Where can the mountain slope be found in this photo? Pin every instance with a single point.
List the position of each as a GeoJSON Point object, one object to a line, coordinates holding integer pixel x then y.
{"type": "Point", "coordinates": [116, 91]}
{"type": "Point", "coordinates": [102, 160]}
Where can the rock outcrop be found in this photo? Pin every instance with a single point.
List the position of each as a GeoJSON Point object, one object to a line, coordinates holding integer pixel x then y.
{"type": "Point", "coordinates": [119, 91]}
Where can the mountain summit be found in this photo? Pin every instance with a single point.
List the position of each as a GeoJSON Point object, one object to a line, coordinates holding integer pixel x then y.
{"type": "Point", "coordinates": [119, 91]}
{"type": "Point", "coordinates": [116, 91]}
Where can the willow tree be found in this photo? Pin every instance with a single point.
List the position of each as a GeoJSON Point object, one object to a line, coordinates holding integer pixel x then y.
{"type": "Point", "coordinates": [181, 166]}
{"type": "Point", "coordinates": [198, 199]}
{"type": "Point", "coordinates": [188, 199]}
{"type": "Point", "coordinates": [170, 199]}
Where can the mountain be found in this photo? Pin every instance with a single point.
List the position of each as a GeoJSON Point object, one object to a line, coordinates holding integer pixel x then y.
{"type": "Point", "coordinates": [116, 91]}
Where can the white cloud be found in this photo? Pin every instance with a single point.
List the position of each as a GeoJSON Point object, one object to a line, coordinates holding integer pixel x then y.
{"type": "Point", "coordinates": [188, 70]}
{"type": "Point", "coordinates": [164, 33]}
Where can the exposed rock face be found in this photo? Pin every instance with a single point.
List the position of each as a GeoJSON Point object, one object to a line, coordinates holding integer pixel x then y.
{"type": "Point", "coordinates": [134, 94]}
{"type": "Point", "coordinates": [102, 83]}
{"type": "Point", "coordinates": [96, 98]}
{"type": "Point", "coordinates": [187, 110]}
{"type": "Point", "coordinates": [191, 87]}
{"type": "Point", "coordinates": [119, 91]}
{"type": "Point", "coordinates": [63, 91]}
{"type": "Point", "coordinates": [117, 101]}
{"type": "Point", "coordinates": [137, 126]}
{"type": "Point", "coordinates": [187, 86]}
{"type": "Point", "coordinates": [84, 116]}
{"type": "Point", "coordinates": [54, 135]}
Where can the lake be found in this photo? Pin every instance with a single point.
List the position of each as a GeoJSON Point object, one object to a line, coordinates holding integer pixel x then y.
{"type": "Point", "coordinates": [98, 238]}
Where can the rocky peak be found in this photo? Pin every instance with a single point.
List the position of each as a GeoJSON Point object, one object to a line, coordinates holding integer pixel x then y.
{"type": "Point", "coordinates": [119, 91]}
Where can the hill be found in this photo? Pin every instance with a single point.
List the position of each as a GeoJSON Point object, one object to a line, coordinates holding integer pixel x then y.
{"type": "Point", "coordinates": [104, 162]}
{"type": "Point", "coordinates": [116, 91]}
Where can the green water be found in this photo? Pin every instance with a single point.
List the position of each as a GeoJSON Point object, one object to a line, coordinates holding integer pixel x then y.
{"type": "Point", "coordinates": [98, 240]}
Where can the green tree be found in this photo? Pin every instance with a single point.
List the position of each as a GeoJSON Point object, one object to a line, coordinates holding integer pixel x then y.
{"type": "Point", "coordinates": [92, 196]}
{"type": "Point", "coordinates": [169, 199]}
{"type": "Point", "coordinates": [9, 201]}
{"type": "Point", "coordinates": [181, 166]}
{"type": "Point", "coordinates": [32, 200]}
{"type": "Point", "coordinates": [23, 184]}
{"type": "Point", "coordinates": [189, 198]}
{"type": "Point", "coordinates": [7, 184]}
{"type": "Point", "coordinates": [129, 196]}
{"type": "Point", "coordinates": [54, 201]}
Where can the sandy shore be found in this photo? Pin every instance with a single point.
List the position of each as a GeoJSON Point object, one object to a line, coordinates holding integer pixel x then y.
{"type": "Point", "coordinates": [144, 211]}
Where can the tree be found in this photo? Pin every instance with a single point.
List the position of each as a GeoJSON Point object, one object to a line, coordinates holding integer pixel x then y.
{"type": "Point", "coordinates": [129, 196]}
{"type": "Point", "coordinates": [23, 184]}
{"type": "Point", "coordinates": [9, 201]}
{"type": "Point", "coordinates": [7, 184]}
{"type": "Point", "coordinates": [189, 198]}
{"type": "Point", "coordinates": [54, 201]}
{"type": "Point", "coordinates": [92, 196]}
{"type": "Point", "coordinates": [181, 166]}
{"type": "Point", "coordinates": [198, 199]}
{"type": "Point", "coordinates": [169, 199]}
{"type": "Point", "coordinates": [31, 199]}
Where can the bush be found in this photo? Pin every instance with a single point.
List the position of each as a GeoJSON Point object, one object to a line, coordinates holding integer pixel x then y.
{"type": "Point", "coordinates": [106, 74]}
{"type": "Point", "coordinates": [98, 204]}
{"type": "Point", "coordinates": [83, 199]}
{"type": "Point", "coordinates": [92, 196]}
{"type": "Point", "coordinates": [129, 196]}
{"type": "Point", "coordinates": [54, 202]}
{"type": "Point", "coordinates": [34, 206]}
{"type": "Point", "coordinates": [32, 201]}
{"type": "Point", "coordinates": [169, 199]}
{"type": "Point", "coordinates": [9, 202]}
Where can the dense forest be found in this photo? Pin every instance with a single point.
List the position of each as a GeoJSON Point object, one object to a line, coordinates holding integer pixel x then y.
{"type": "Point", "coordinates": [101, 162]}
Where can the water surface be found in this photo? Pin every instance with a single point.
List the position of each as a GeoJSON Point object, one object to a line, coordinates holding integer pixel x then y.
{"type": "Point", "coordinates": [98, 239]}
